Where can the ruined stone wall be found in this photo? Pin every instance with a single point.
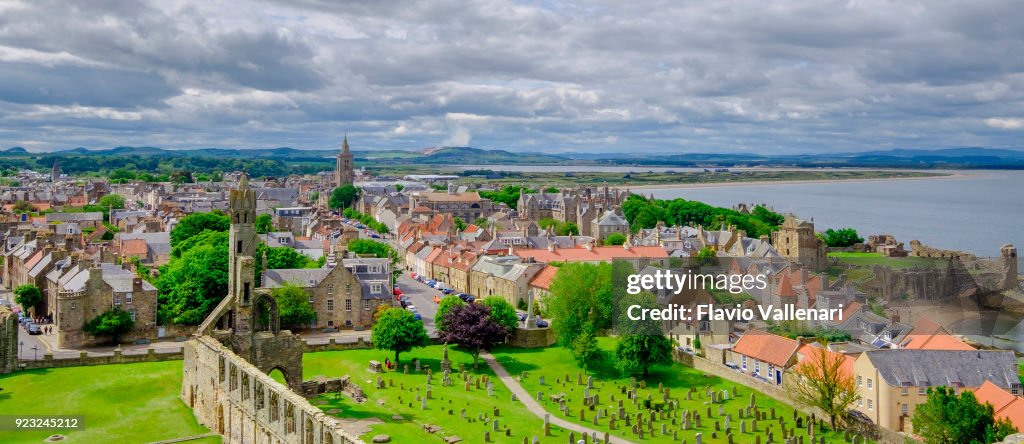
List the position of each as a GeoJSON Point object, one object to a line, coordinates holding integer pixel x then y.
{"type": "Point", "coordinates": [8, 340]}
{"type": "Point", "coordinates": [245, 405]}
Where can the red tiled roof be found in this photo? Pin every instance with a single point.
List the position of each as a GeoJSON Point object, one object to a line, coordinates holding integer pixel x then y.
{"type": "Point", "coordinates": [597, 254]}
{"type": "Point", "coordinates": [544, 277]}
{"type": "Point", "coordinates": [34, 259]}
{"type": "Point", "coordinates": [1005, 405]}
{"type": "Point", "coordinates": [937, 341]}
{"type": "Point", "coordinates": [134, 247]}
{"type": "Point", "coordinates": [766, 347]}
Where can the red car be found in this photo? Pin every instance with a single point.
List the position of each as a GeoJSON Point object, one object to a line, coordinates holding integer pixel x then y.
{"type": "Point", "coordinates": [398, 292]}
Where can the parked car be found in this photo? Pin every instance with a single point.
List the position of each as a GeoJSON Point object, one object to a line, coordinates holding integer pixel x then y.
{"type": "Point", "coordinates": [410, 307]}
{"type": "Point", "coordinates": [447, 291]}
{"type": "Point", "coordinates": [542, 323]}
{"type": "Point", "coordinates": [466, 298]}
{"type": "Point", "coordinates": [34, 329]}
{"type": "Point", "coordinates": [375, 235]}
{"type": "Point", "coordinates": [417, 316]}
{"type": "Point", "coordinates": [522, 316]}
{"type": "Point", "coordinates": [398, 291]}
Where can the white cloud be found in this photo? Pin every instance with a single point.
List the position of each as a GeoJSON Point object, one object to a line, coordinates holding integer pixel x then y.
{"type": "Point", "coordinates": [1005, 123]}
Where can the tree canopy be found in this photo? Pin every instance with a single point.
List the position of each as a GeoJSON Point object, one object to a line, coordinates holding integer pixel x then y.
{"type": "Point", "coordinates": [508, 195]}
{"type": "Point", "coordinates": [580, 301]}
{"type": "Point", "coordinates": [196, 223]}
{"type": "Point", "coordinates": [192, 284]}
{"type": "Point", "coordinates": [28, 296]}
{"type": "Point", "coordinates": [293, 305]}
{"type": "Point", "coordinates": [642, 343]}
{"type": "Point", "coordinates": [615, 239]}
{"type": "Point", "coordinates": [112, 323]}
{"type": "Point", "coordinates": [948, 418]}
{"type": "Point", "coordinates": [112, 201]}
{"type": "Point", "coordinates": [502, 312]}
{"type": "Point", "coordinates": [822, 383]}
{"type": "Point", "coordinates": [843, 237]}
{"type": "Point", "coordinates": [472, 328]}
{"type": "Point", "coordinates": [398, 331]}
{"type": "Point", "coordinates": [558, 227]}
{"type": "Point", "coordinates": [643, 212]}
{"type": "Point", "coordinates": [445, 305]}
{"type": "Point", "coordinates": [264, 223]}
{"type": "Point", "coordinates": [343, 196]}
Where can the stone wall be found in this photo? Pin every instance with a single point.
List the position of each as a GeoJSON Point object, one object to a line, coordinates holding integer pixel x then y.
{"type": "Point", "coordinates": [83, 358]}
{"type": "Point", "coordinates": [8, 340]}
{"type": "Point", "coordinates": [245, 405]}
{"type": "Point", "coordinates": [532, 338]}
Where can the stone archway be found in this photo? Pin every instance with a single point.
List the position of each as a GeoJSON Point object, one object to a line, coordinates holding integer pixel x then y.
{"type": "Point", "coordinates": [266, 316]}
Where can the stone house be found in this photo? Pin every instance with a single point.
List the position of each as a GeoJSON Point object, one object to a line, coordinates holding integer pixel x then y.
{"type": "Point", "coordinates": [611, 221]}
{"type": "Point", "coordinates": [892, 383]}
{"type": "Point", "coordinates": [505, 276]}
{"type": "Point", "coordinates": [797, 241]}
{"type": "Point", "coordinates": [343, 297]}
{"type": "Point", "coordinates": [84, 292]}
{"type": "Point", "coordinates": [765, 356]}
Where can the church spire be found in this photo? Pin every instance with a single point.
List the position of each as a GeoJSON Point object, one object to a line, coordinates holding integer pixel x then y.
{"type": "Point", "coordinates": [344, 145]}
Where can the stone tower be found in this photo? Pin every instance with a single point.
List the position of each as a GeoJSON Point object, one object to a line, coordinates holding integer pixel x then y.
{"type": "Point", "coordinates": [1009, 256]}
{"type": "Point", "coordinates": [243, 241]}
{"type": "Point", "coordinates": [248, 320]}
{"type": "Point", "coordinates": [344, 171]}
{"type": "Point", "coordinates": [797, 242]}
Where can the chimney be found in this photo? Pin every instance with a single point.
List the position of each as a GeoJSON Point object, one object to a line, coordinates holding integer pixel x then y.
{"type": "Point", "coordinates": [552, 247]}
{"type": "Point", "coordinates": [137, 284]}
{"type": "Point", "coordinates": [590, 246]}
{"type": "Point", "coordinates": [895, 316]}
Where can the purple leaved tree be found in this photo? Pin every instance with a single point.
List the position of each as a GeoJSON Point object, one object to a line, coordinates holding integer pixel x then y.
{"type": "Point", "coordinates": [471, 327]}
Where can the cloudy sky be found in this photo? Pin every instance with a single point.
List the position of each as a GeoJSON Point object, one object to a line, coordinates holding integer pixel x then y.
{"type": "Point", "coordinates": [671, 76]}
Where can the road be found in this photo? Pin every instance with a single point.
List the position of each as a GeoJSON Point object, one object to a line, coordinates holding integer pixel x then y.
{"type": "Point", "coordinates": [422, 297]}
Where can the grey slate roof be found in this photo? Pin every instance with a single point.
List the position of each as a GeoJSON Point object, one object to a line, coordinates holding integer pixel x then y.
{"type": "Point", "coordinates": [951, 368]}
{"type": "Point", "coordinates": [303, 277]}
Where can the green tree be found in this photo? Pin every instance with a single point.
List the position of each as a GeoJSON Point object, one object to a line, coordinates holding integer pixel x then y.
{"type": "Point", "coordinates": [112, 201]}
{"type": "Point", "coordinates": [376, 249]}
{"type": "Point", "coordinates": [642, 352]}
{"type": "Point", "coordinates": [585, 349]}
{"type": "Point", "coordinates": [293, 305]}
{"type": "Point", "coordinates": [481, 222]}
{"type": "Point", "coordinates": [193, 284]}
{"type": "Point", "coordinates": [195, 223]}
{"type": "Point", "coordinates": [502, 312]}
{"type": "Point", "coordinates": [206, 237]}
{"type": "Point", "coordinates": [314, 196]}
{"type": "Point", "coordinates": [508, 195]}
{"type": "Point", "coordinates": [580, 301]}
{"type": "Point", "coordinates": [459, 223]}
{"type": "Point", "coordinates": [843, 237]}
{"type": "Point", "coordinates": [343, 196]}
{"type": "Point", "coordinates": [948, 418]}
{"type": "Point", "coordinates": [445, 305]}
{"type": "Point", "coordinates": [707, 256]}
{"type": "Point", "coordinates": [398, 331]}
{"type": "Point", "coordinates": [28, 296]}
{"type": "Point", "coordinates": [122, 175]}
{"type": "Point", "coordinates": [615, 239]}
{"type": "Point", "coordinates": [22, 207]}
{"type": "Point", "coordinates": [112, 323]}
{"type": "Point", "coordinates": [399, 187]}
{"type": "Point", "coordinates": [264, 223]}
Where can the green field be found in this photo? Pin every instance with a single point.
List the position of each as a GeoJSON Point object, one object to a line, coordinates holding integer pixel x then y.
{"type": "Point", "coordinates": [555, 363]}
{"type": "Point", "coordinates": [124, 403]}
{"type": "Point", "coordinates": [381, 404]}
{"type": "Point", "coordinates": [869, 259]}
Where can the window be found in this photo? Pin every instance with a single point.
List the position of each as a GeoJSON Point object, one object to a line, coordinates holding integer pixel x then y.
{"type": "Point", "coordinates": [117, 300]}
{"type": "Point", "coordinates": [128, 297]}
{"type": "Point", "coordinates": [374, 268]}
{"type": "Point", "coordinates": [744, 363]}
{"type": "Point", "coordinates": [922, 390]}
{"type": "Point", "coordinates": [905, 409]}
{"type": "Point", "coordinates": [366, 305]}
{"type": "Point", "coordinates": [860, 403]}
{"type": "Point", "coordinates": [376, 288]}
{"type": "Point", "coordinates": [238, 247]}
{"type": "Point", "coordinates": [132, 314]}
{"type": "Point", "coordinates": [330, 305]}
{"type": "Point", "coordinates": [871, 404]}
{"type": "Point", "coordinates": [869, 383]}
{"type": "Point", "coordinates": [311, 300]}
{"type": "Point", "coordinates": [348, 305]}
{"type": "Point", "coordinates": [905, 391]}
{"type": "Point", "coordinates": [860, 381]}
{"type": "Point", "coordinates": [757, 367]}
{"type": "Point", "coordinates": [73, 305]}
{"type": "Point", "coordinates": [1015, 389]}
{"type": "Point", "coordinates": [330, 288]}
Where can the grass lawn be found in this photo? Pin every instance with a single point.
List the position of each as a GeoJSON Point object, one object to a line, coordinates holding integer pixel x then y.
{"type": "Point", "coordinates": [381, 404]}
{"type": "Point", "coordinates": [555, 363]}
{"type": "Point", "coordinates": [124, 403]}
{"type": "Point", "coordinates": [869, 259]}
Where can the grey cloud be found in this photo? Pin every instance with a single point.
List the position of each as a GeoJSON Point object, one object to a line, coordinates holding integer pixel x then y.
{"type": "Point", "coordinates": [667, 76]}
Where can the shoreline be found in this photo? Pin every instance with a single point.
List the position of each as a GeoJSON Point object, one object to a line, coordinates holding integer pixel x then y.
{"type": "Point", "coordinates": [945, 176]}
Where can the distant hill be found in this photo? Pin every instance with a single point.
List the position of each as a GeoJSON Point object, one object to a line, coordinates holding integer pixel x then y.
{"type": "Point", "coordinates": [952, 158]}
